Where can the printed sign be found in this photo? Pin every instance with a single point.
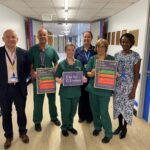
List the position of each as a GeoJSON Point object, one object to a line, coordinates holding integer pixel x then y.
{"type": "Point", "coordinates": [73, 78]}
{"type": "Point", "coordinates": [45, 80]}
{"type": "Point", "coordinates": [105, 75]}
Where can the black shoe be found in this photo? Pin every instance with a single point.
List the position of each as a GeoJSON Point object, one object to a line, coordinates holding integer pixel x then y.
{"type": "Point", "coordinates": [65, 133]}
{"type": "Point", "coordinates": [118, 130]}
{"type": "Point", "coordinates": [56, 122]}
{"type": "Point", "coordinates": [106, 139]}
{"type": "Point", "coordinates": [25, 138]}
{"type": "Point", "coordinates": [96, 132]}
{"type": "Point", "coordinates": [38, 127]}
{"type": "Point", "coordinates": [123, 133]}
{"type": "Point", "coordinates": [81, 120]}
{"type": "Point", "coordinates": [73, 131]}
{"type": "Point", "coordinates": [8, 143]}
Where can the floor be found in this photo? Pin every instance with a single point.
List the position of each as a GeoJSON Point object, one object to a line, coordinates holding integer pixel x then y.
{"type": "Point", "coordinates": [50, 138]}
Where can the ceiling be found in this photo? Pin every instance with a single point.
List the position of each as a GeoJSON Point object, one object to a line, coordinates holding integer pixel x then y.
{"type": "Point", "coordinates": [80, 12]}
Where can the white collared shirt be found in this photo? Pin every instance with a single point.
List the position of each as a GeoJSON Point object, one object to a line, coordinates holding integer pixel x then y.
{"type": "Point", "coordinates": [10, 71]}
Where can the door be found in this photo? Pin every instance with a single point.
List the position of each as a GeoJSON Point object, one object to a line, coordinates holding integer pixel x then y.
{"type": "Point", "coordinates": [146, 114]}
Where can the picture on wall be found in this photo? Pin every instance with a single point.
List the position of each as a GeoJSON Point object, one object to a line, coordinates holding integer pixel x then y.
{"type": "Point", "coordinates": [118, 38]}
{"type": "Point", "coordinates": [113, 38]}
{"type": "Point", "coordinates": [136, 35]}
{"type": "Point", "coordinates": [124, 31]}
{"type": "Point", "coordinates": [109, 37]}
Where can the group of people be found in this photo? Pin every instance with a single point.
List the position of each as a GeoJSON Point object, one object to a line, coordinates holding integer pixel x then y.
{"type": "Point", "coordinates": [16, 64]}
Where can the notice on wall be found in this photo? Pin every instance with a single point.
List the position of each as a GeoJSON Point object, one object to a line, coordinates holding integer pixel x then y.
{"type": "Point", "coordinates": [105, 75]}
{"type": "Point", "coordinates": [45, 80]}
{"type": "Point", "coordinates": [74, 78]}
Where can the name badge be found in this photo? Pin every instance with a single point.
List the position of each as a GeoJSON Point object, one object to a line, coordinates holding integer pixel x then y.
{"type": "Point", "coordinates": [123, 75]}
{"type": "Point", "coordinates": [13, 79]}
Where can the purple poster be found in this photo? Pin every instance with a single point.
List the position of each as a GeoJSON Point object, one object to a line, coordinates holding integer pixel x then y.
{"type": "Point", "coordinates": [105, 76]}
{"type": "Point", "coordinates": [73, 78]}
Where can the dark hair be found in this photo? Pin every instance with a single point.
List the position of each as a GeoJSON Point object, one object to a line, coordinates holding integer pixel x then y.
{"type": "Point", "coordinates": [89, 33]}
{"type": "Point", "coordinates": [130, 37]}
{"type": "Point", "coordinates": [69, 44]}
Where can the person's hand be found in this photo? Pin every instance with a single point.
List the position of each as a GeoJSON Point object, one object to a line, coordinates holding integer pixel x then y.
{"type": "Point", "coordinates": [117, 74]}
{"type": "Point", "coordinates": [93, 72]}
{"type": "Point", "coordinates": [84, 79]}
{"type": "Point", "coordinates": [132, 94]}
{"type": "Point", "coordinates": [59, 80]}
{"type": "Point", "coordinates": [33, 74]}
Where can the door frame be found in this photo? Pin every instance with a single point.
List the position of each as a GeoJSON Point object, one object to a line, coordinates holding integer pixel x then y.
{"type": "Point", "coordinates": [145, 66]}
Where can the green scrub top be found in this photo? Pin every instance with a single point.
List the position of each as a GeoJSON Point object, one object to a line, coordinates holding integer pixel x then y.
{"type": "Point", "coordinates": [90, 87]}
{"type": "Point", "coordinates": [51, 57]}
{"type": "Point", "coordinates": [69, 91]}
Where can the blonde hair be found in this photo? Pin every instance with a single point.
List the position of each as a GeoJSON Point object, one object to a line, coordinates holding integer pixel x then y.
{"type": "Point", "coordinates": [102, 41]}
{"type": "Point", "coordinates": [69, 44]}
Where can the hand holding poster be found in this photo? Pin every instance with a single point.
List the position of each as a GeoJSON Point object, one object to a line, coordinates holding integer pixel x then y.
{"type": "Point", "coordinates": [45, 80]}
{"type": "Point", "coordinates": [73, 78]}
{"type": "Point", "coordinates": [105, 76]}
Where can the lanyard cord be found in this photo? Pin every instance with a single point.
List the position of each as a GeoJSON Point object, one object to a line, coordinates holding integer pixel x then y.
{"type": "Point", "coordinates": [12, 63]}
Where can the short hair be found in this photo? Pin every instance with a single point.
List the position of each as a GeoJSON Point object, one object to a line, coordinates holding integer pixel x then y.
{"type": "Point", "coordinates": [8, 31]}
{"type": "Point", "coordinates": [89, 33]}
{"type": "Point", "coordinates": [130, 37]}
{"type": "Point", "coordinates": [69, 44]}
{"type": "Point", "coordinates": [102, 41]}
{"type": "Point", "coordinates": [42, 28]}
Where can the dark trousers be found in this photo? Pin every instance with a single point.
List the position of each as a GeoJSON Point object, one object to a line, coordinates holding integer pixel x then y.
{"type": "Point", "coordinates": [101, 117]}
{"type": "Point", "coordinates": [84, 109]}
{"type": "Point", "coordinates": [68, 111]}
{"type": "Point", "coordinates": [13, 95]}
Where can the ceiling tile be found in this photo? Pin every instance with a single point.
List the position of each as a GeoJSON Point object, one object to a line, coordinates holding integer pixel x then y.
{"type": "Point", "coordinates": [58, 3]}
{"type": "Point", "coordinates": [74, 3]}
{"type": "Point", "coordinates": [44, 10]}
{"type": "Point", "coordinates": [117, 5]}
{"type": "Point", "coordinates": [15, 3]}
{"type": "Point", "coordinates": [39, 4]}
{"type": "Point", "coordinates": [92, 5]}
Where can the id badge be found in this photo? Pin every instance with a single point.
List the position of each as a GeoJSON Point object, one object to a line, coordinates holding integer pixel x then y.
{"type": "Point", "coordinates": [13, 79]}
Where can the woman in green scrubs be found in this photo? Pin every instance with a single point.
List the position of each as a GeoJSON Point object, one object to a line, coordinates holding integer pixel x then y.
{"type": "Point", "coordinates": [69, 95]}
{"type": "Point", "coordinates": [99, 98]}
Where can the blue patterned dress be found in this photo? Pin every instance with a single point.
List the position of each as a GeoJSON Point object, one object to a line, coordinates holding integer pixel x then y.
{"type": "Point", "coordinates": [124, 83]}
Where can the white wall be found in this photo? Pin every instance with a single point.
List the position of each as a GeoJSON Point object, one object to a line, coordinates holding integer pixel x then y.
{"type": "Point", "coordinates": [95, 29]}
{"type": "Point", "coordinates": [134, 17]}
{"type": "Point", "coordinates": [11, 20]}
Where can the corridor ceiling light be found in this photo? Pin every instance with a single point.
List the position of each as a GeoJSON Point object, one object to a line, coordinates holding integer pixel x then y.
{"type": "Point", "coordinates": [47, 17]}
{"type": "Point", "coordinates": [66, 15]}
{"type": "Point", "coordinates": [66, 5]}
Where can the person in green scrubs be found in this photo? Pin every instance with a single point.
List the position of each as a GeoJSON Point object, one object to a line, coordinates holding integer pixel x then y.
{"type": "Point", "coordinates": [69, 95]}
{"type": "Point", "coordinates": [42, 56]}
{"type": "Point", "coordinates": [99, 98]}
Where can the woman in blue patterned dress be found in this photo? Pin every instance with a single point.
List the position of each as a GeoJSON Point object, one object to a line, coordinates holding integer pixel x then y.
{"type": "Point", "coordinates": [126, 84]}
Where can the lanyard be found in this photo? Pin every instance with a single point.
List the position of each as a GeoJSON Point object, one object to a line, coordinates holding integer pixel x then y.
{"type": "Point", "coordinates": [42, 57]}
{"type": "Point", "coordinates": [87, 55]}
{"type": "Point", "coordinates": [12, 63]}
